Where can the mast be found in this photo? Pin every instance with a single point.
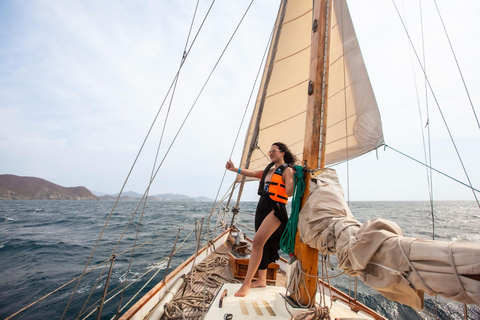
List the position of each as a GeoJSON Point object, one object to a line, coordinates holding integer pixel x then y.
{"type": "Point", "coordinates": [315, 132]}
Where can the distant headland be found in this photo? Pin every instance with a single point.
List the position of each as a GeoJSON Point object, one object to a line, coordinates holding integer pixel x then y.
{"type": "Point", "coordinates": [14, 187]}
{"type": "Point", "coordinates": [29, 188]}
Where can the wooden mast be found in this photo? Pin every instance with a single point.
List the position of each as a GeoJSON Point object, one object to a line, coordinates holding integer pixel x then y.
{"type": "Point", "coordinates": [315, 133]}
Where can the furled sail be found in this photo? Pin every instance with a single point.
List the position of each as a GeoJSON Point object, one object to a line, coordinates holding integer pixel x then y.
{"type": "Point", "coordinates": [376, 251]}
{"type": "Point", "coordinates": [353, 124]}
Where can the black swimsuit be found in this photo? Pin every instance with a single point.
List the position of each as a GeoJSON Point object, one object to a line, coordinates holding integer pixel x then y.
{"type": "Point", "coordinates": [264, 207]}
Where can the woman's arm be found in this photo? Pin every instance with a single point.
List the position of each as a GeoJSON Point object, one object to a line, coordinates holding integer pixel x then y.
{"type": "Point", "coordinates": [288, 179]}
{"type": "Point", "coordinates": [246, 172]}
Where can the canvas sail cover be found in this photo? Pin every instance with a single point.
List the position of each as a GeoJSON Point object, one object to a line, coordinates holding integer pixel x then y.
{"type": "Point", "coordinates": [353, 125]}
{"type": "Point", "coordinates": [378, 253]}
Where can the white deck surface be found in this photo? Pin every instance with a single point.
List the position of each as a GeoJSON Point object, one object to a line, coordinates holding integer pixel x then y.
{"type": "Point", "coordinates": [256, 305]}
{"type": "Point", "coordinates": [265, 303]}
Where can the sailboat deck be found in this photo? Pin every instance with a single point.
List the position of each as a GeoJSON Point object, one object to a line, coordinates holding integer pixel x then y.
{"type": "Point", "coordinates": [213, 281]}
{"type": "Point", "coordinates": [216, 272]}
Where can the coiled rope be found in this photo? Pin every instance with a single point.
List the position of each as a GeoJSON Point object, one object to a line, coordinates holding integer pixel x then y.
{"type": "Point", "coordinates": [193, 305]}
{"type": "Point", "coordinates": [315, 313]}
{"type": "Point", "coordinates": [287, 242]}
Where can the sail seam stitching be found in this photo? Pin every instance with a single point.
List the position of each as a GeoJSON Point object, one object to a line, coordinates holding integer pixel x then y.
{"type": "Point", "coordinates": [298, 17]}
{"type": "Point", "coordinates": [286, 89]}
{"type": "Point", "coordinates": [285, 120]}
{"type": "Point", "coordinates": [291, 55]}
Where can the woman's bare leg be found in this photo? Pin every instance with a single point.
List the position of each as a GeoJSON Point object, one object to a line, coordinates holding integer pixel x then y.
{"type": "Point", "coordinates": [267, 228]}
{"type": "Point", "coordinates": [261, 282]}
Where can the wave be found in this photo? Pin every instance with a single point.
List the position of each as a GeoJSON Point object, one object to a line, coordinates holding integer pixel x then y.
{"type": "Point", "coordinates": [39, 252]}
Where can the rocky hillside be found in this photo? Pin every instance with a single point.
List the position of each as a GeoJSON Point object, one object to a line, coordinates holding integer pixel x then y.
{"type": "Point", "coordinates": [29, 188]}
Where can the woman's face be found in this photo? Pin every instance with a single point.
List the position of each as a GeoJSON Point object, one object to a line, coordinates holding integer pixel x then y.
{"type": "Point", "coordinates": [275, 154]}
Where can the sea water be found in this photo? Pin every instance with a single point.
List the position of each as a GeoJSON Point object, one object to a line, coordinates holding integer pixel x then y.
{"type": "Point", "coordinates": [44, 245]}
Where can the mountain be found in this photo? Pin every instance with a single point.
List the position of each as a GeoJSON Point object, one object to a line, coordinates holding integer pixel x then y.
{"type": "Point", "coordinates": [173, 197]}
{"type": "Point", "coordinates": [131, 196]}
{"type": "Point", "coordinates": [14, 187]}
{"type": "Point", "coordinates": [29, 188]}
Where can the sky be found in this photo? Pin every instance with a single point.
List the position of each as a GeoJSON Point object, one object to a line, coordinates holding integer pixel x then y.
{"type": "Point", "coordinates": [82, 81]}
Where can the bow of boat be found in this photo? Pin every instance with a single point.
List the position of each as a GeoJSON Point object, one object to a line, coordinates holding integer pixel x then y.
{"type": "Point", "coordinates": [203, 287]}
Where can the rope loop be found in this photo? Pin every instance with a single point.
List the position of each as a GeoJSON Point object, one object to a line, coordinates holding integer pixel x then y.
{"type": "Point", "coordinates": [315, 313]}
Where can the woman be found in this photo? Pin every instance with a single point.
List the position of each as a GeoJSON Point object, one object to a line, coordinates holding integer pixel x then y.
{"type": "Point", "coordinates": [276, 185]}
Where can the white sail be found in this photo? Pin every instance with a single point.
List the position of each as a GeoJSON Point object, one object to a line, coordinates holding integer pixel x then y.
{"type": "Point", "coordinates": [353, 124]}
{"type": "Point", "coordinates": [279, 113]}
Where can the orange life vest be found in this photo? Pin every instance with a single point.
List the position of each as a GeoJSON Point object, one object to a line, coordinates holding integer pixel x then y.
{"type": "Point", "coordinates": [276, 187]}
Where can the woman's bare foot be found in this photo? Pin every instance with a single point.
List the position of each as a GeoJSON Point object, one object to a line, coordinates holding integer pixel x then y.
{"type": "Point", "coordinates": [243, 291]}
{"type": "Point", "coordinates": [259, 284]}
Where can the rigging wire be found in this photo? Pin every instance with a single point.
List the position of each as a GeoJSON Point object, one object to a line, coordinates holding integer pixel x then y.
{"type": "Point", "coordinates": [429, 171]}
{"type": "Point", "coordinates": [94, 268]}
{"type": "Point", "coordinates": [346, 133]}
{"type": "Point", "coordinates": [113, 252]}
{"type": "Point", "coordinates": [138, 155]}
{"type": "Point", "coordinates": [262, 96]}
{"type": "Point", "coordinates": [437, 104]}
{"type": "Point", "coordinates": [115, 249]}
{"type": "Point", "coordinates": [345, 105]}
{"type": "Point", "coordinates": [180, 248]}
{"type": "Point", "coordinates": [428, 156]}
{"type": "Point", "coordinates": [131, 255]}
{"type": "Point", "coordinates": [444, 174]}
{"type": "Point", "coordinates": [158, 151]}
{"type": "Point", "coordinates": [163, 260]}
{"type": "Point", "coordinates": [456, 61]}
{"type": "Point", "coordinates": [245, 112]}
{"type": "Point", "coordinates": [117, 199]}
{"type": "Point", "coordinates": [189, 112]}
{"type": "Point", "coordinates": [87, 272]}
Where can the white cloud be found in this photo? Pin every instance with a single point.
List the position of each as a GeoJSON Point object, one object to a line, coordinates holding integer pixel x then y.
{"type": "Point", "coordinates": [80, 83]}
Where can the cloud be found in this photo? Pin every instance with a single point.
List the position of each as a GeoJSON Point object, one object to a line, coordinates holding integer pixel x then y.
{"type": "Point", "coordinates": [80, 84]}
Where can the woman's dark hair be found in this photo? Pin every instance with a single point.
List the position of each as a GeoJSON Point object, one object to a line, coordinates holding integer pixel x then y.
{"type": "Point", "coordinates": [289, 158]}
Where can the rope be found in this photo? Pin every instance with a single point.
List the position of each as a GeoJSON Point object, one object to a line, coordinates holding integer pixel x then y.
{"type": "Point", "coordinates": [287, 242]}
{"type": "Point", "coordinates": [314, 313]}
{"type": "Point", "coordinates": [325, 281]}
{"type": "Point", "coordinates": [296, 279]}
{"type": "Point", "coordinates": [455, 272]}
{"type": "Point", "coordinates": [177, 308]}
{"type": "Point", "coordinates": [411, 265]}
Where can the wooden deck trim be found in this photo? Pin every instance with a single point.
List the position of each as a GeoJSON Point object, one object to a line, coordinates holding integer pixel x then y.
{"type": "Point", "coordinates": [353, 304]}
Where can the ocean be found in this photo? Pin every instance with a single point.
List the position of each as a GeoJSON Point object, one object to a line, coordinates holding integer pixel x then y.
{"type": "Point", "coordinates": [46, 244]}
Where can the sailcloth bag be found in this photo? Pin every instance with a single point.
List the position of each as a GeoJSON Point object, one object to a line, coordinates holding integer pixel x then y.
{"type": "Point", "coordinates": [398, 267]}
